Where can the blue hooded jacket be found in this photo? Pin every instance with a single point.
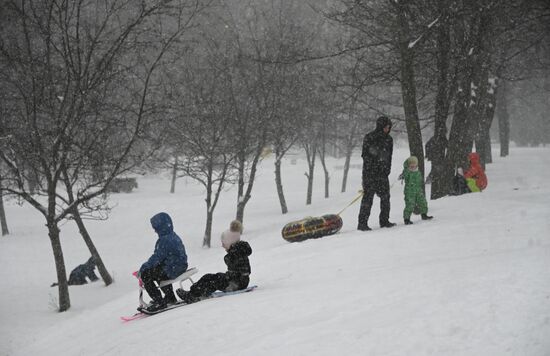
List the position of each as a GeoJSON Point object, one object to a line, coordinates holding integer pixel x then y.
{"type": "Point", "coordinates": [169, 250]}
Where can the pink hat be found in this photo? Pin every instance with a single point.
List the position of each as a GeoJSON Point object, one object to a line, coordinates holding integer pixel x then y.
{"type": "Point", "coordinates": [229, 238]}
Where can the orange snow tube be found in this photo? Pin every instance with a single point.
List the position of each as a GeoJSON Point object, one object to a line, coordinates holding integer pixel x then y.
{"type": "Point", "coordinates": [312, 228]}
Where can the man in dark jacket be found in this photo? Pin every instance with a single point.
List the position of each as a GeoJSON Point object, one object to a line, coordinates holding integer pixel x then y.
{"type": "Point", "coordinates": [236, 277]}
{"type": "Point", "coordinates": [167, 262]}
{"type": "Point", "coordinates": [377, 155]}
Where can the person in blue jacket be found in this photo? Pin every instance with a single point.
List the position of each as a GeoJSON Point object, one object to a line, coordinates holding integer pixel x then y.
{"type": "Point", "coordinates": [167, 262]}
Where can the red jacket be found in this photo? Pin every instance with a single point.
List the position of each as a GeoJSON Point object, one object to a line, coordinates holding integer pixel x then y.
{"type": "Point", "coordinates": [476, 171]}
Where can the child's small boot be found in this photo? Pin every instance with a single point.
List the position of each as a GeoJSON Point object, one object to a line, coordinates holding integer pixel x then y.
{"type": "Point", "coordinates": [426, 217]}
{"type": "Point", "coordinates": [186, 296]}
{"type": "Point", "coordinates": [408, 222]}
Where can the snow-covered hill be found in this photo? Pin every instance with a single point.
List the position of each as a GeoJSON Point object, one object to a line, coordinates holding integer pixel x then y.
{"type": "Point", "coordinates": [473, 281]}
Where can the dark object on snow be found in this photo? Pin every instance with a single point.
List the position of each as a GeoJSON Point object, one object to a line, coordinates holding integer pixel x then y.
{"type": "Point", "coordinates": [81, 272]}
{"type": "Point", "coordinates": [125, 185]}
{"type": "Point", "coordinates": [312, 228]}
{"type": "Point", "coordinates": [459, 185]}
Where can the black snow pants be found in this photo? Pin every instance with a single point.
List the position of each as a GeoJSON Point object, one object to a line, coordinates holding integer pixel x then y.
{"type": "Point", "coordinates": [156, 274]}
{"type": "Point", "coordinates": [381, 187]}
{"type": "Point", "coordinates": [209, 283]}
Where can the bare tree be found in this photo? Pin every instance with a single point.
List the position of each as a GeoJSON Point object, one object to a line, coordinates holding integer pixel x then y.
{"type": "Point", "coordinates": [254, 99]}
{"type": "Point", "coordinates": [3, 220]}
{"type": "Point", "coordinates": [283, 37]}
{"type": "Point", "coordinates": [503, 119]}
{"type": "Point", "coordinates": [71, 70]}
{"type": "Point", "coordinates": [326, 128]}
{"type": "Point", "coordinates": [285, 127]}
{"type": "Point", "coordinates": [309, 144]}
{"type": "Point", "coordinates": [202, 111]}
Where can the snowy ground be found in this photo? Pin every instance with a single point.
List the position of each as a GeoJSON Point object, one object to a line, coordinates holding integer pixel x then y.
{"type": "Point", "coordinates": [473, 281]}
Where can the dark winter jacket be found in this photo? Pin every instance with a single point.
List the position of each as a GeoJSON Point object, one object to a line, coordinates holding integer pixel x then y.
{"type": "Point", "coordinates": [377, 151]}
{"type": "Point", "coordinates": [169, 250]}
{"type": "Point", "coordinates": [238, 266]}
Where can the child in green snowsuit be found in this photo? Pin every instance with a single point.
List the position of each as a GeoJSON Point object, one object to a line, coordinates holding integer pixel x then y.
{"type": "Point", "coordinates": [414, 195]}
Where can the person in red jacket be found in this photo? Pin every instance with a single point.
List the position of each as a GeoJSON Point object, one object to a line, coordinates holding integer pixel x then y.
{"type": "Point", "coordinates": [475, 176]}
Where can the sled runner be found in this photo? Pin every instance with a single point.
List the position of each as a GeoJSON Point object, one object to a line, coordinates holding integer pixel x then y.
{"type": "Point", "coordinates": [218, 294]}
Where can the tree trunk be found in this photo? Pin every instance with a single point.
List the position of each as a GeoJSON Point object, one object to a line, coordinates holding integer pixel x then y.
{"type": "Point", "coordinates": [327, 180]}
{"type": "Point", "coordinates": [486, 143]}
{"type": "Point", "coordinates": [63, 286]}
{"type": "Point", "coordinates": [484, 95]}
{"type": "Point", "coordinates": [325, 170]}
{"type": "Point", "coordinates": [503, 119]}
{"type": "Point", "coordinates": [107, 279]}
{"type": "Point", "coordinates": [459, 142]}
{"type": "Point", "coordinates": [212, 196]}
{"type": "Point", "coordinates": [408, 89]}
{"type": "Point", "coordinates": [279, 184]}
{"type": "Point", "coordinates": [346, 168]}
{"type": "Point", "coordinates": [3, 220]}
{"type": "Point", "coordinates": [208, 229]}
{"type": "Point", "coordinates": [483, 141]}
{"type": "Point", "coordinates": [32, 183]}
{"type": "Point", "coordinates": [309, 175]}
{"type": "Point", "coordinates": [240, 187]}
{"type": "Point", "coordinates": [482, 122]}
{"type": "Point", "coordinates": [244, 198]}
{"type": "Point", "coordinates": [472, 72]}
{"type": "Point", "coordinates": [209, 211]}
{"type": "Point", "coordinates": [441, 184]}
{"type": "Point", "coordinates": [461, 133]}
{"type": "Point", "coordinates": [174, 174]}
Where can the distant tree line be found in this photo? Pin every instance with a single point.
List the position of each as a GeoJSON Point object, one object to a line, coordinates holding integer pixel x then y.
{"type": "Point", "coordinates": [78, 87]}
{"type": "Point", "coordinates": [456, 62]}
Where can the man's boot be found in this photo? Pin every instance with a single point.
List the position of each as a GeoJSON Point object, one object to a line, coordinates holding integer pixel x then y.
{"type": "Point", "coordinates": [363, 227]}
{"type": "Point", "coordinates": [387, 224]}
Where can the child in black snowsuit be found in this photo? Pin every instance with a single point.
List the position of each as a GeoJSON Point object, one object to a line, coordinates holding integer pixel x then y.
{"type": "Point", "coordinates": [236, 277]}
{"type": "Point", "coordinates": [81, 272]}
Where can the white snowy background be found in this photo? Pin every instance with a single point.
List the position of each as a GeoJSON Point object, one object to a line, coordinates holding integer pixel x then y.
{"type": "Point", "coordinates": [473, 281]}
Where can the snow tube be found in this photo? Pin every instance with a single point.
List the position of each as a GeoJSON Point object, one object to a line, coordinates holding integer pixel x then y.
{"type": "Point", "coordinates": [312, 228]}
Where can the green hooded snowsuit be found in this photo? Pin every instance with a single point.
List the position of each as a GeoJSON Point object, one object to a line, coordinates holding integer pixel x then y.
{"type": "Point", "coordinates": [414, 195]}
